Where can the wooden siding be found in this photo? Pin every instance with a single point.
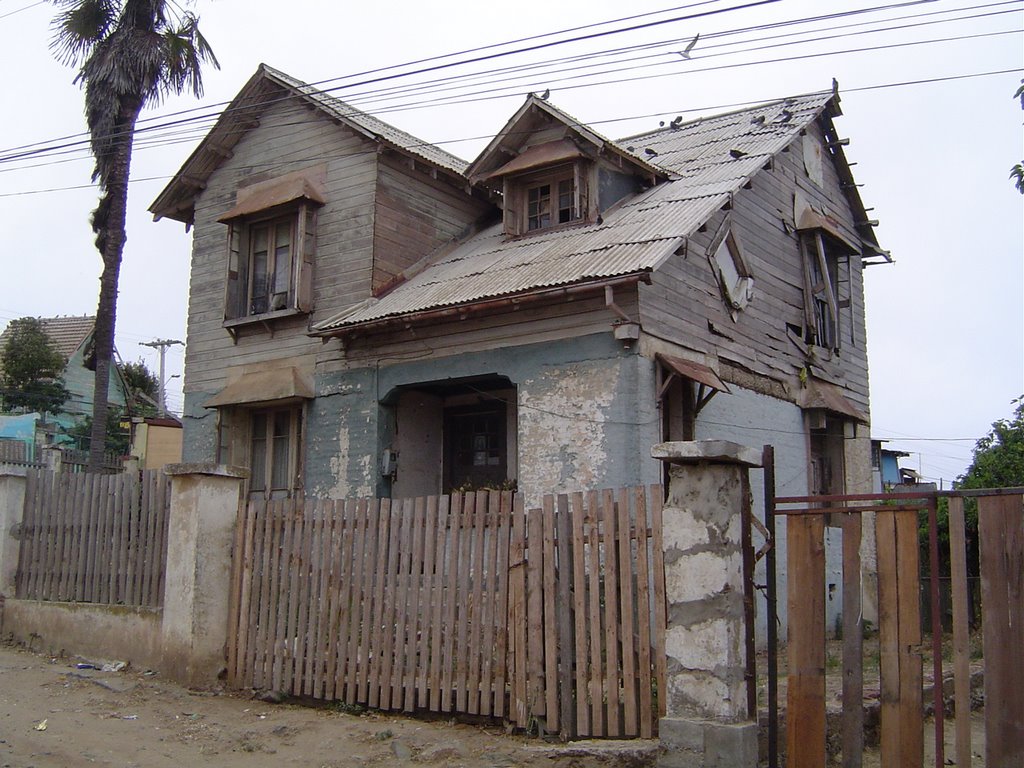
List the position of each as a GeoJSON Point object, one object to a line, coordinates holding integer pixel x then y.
{"type": "Point", "coordinates": [414, 214]}
{"type": "Point", "coordinates": [290, 137]}
{"type": "Point", "coordinates": [684, 304]}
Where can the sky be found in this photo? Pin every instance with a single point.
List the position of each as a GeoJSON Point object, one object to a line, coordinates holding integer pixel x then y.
{"type": "Point", "coordinates": [927, 94]}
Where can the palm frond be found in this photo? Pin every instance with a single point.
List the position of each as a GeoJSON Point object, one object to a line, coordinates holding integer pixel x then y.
{"type": "Point", "coordinates": [79, 27]}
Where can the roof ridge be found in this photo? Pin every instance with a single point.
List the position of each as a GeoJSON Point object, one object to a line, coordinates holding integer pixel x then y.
{"type": "Point", "coordinates": [719, 115]}
{"type": "Point", "coordinates": [364, 118]}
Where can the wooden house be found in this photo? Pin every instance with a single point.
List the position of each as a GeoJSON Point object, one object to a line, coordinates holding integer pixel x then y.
{"type": "Point", "coordinates": [370, 315]}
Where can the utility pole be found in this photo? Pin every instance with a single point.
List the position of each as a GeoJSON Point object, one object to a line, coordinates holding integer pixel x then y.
{"type": "Point", "coordinates": [162, 345]}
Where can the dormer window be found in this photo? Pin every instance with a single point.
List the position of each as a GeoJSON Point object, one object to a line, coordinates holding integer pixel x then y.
{"type": "Point", "coordinates": [546, 198]}
{"type": "Point", "coordinates": [551, 202]}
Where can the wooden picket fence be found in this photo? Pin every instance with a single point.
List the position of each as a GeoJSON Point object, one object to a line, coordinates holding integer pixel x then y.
{"type": "Point", "coordinates": [94, 538]}
{"type": "Point", "coordinates": [552, 619]}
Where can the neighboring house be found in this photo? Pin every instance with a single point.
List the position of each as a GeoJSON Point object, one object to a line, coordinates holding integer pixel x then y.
{"type": "Point", "coordinates": [887, 464]}
{"type": "Point", "coordinates": [72, 338]}
{"type": "Point", "coordinates": [369, 314]}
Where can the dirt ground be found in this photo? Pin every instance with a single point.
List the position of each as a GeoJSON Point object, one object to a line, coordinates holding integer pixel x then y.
{"type": "Point", "coordinates": [54, 715]}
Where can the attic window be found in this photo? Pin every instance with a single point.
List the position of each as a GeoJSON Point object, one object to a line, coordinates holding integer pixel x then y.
{"type": "Point", "coordinates": [734, 276]}
{"type": "Point", "coordinates": [551, 202]}
{"type": "Point", "coordinates": [549, 197]}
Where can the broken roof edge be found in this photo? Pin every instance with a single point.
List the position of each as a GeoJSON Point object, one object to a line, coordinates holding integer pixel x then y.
{"type": "Point", "coordinates": [335, 326]}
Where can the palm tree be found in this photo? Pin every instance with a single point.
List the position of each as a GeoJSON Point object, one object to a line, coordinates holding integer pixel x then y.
{"type": "Point", "coordinates": [129, 53]}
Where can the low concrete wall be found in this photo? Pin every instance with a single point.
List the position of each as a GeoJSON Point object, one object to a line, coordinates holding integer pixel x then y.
{"type": "Point", "coordinates": [186, 639]}
{"type": "Point", "coordinates": [108, 632]}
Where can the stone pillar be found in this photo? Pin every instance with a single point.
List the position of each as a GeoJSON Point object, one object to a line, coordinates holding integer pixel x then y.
{"type": "Point", "coordinates": [12, 507]}
{"type": "Point", "coordinates": [707, 724]}
{"type": "Point", "coordinates": [204, 512]}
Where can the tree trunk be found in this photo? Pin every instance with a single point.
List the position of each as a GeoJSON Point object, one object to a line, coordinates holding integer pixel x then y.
{"type": "Point", "coordinates": [109, 225]}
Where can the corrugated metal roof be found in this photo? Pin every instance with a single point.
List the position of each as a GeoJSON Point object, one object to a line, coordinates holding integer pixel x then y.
{"type": "Point", "coordinates": [634, 238]}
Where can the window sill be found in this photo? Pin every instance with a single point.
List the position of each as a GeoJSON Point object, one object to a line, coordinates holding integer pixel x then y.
{"type": "Point", "coordinates": [266, 319]}
{"type": "Point", "coordinates": [574, 224]}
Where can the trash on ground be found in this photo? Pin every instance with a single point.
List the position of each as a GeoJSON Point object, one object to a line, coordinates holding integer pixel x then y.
{"type": "Point", "coordinates": [40, 726]}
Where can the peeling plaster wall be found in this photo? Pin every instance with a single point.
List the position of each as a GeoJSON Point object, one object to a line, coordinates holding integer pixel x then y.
{"type": "Point", "coordinates": [579, 425]}
{"type": "Point", "coordinates": [342, 457]}
{"type": "Point", "coordinates": [581, 428]}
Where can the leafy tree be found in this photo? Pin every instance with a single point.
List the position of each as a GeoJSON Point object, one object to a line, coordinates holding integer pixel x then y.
{"type": "Point", "coordinates": [999, 456]}
{"type": "Point", "coordinates": [998, 462]}
{"type": "Point", "coordinates": [117, 438]}
{"type": "Point", "coordinates": [143, 388]}
{"type": "Point", "coordinates": [129, 54]}
{"type": "Point", "coordinates": [31, 369]}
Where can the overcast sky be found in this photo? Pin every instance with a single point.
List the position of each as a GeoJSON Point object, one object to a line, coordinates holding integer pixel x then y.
{"type": "Point", "coordinates": [945, 322]}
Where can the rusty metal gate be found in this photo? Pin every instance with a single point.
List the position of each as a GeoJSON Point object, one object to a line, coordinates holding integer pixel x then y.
{"type": "Point", "coordinates": [901, 646]}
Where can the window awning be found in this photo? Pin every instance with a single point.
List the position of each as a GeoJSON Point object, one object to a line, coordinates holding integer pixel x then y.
{"type": "Point", "coordinates": [695, 371]}
{"type": "Point", "coordinates": [301, 185]}
{"type": "Point", "coordinates": [807, 217]}
{"type": "Point", "coordinates": [821, 395]}
{"type": "Point", "coordinates": [265, 387]}
{"type": "Point", "coordinates": [539, 156]}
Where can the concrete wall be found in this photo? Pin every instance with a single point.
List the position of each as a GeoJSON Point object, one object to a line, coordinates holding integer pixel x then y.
{"type": "Point", "coordinates": [186, 639]}
{"type": "Point", "coordinates": [97, 632]}
{"type": "Point", "coordinates": [587, 417]}
{"type": "Point", "coordinates": [579, 426]}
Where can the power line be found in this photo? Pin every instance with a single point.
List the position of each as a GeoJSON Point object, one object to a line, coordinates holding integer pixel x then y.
{"type": "Point", "coordinates": [291, 160]}
{"type": "Point", "coordinates": [513, 52]}
{"type": "Point", "coordinates": [82, 145]}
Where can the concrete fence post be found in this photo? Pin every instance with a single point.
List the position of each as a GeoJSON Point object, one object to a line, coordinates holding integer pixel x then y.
{"type": "Point", "coordinates": [203, 515]}
{"type": "Point", "coordinates": [707, 723]}
{"type": "Point", "coordinates": [12, 508]}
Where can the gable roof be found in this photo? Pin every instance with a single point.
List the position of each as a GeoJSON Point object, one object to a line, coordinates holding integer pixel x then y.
{"type": "Point", "coordinates": [66, 334]}
{"type": "Point", "coordinates": [264, 88]}
{"type": "Point", "coordinates": [708, 160]}
{"type": "Point", "coordinates": [510, 141]}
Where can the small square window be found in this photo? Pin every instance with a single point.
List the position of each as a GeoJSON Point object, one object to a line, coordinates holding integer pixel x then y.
{"type": "Point", "coordinates": [543, 200]}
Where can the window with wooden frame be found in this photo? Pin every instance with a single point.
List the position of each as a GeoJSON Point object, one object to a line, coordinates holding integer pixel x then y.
{"type": "Point", "coordinates": [822, 259]}
{"type": "Point", "coordinates": [476, 446]}
{"type": "Point", "coordinates": [266, 440]}
{"type": "Point", "coordinates": [544, 200]}
{"type": "Point", "coordinates": [275, 439]}
{"type": "Point", "coordinates": [270, 263]}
